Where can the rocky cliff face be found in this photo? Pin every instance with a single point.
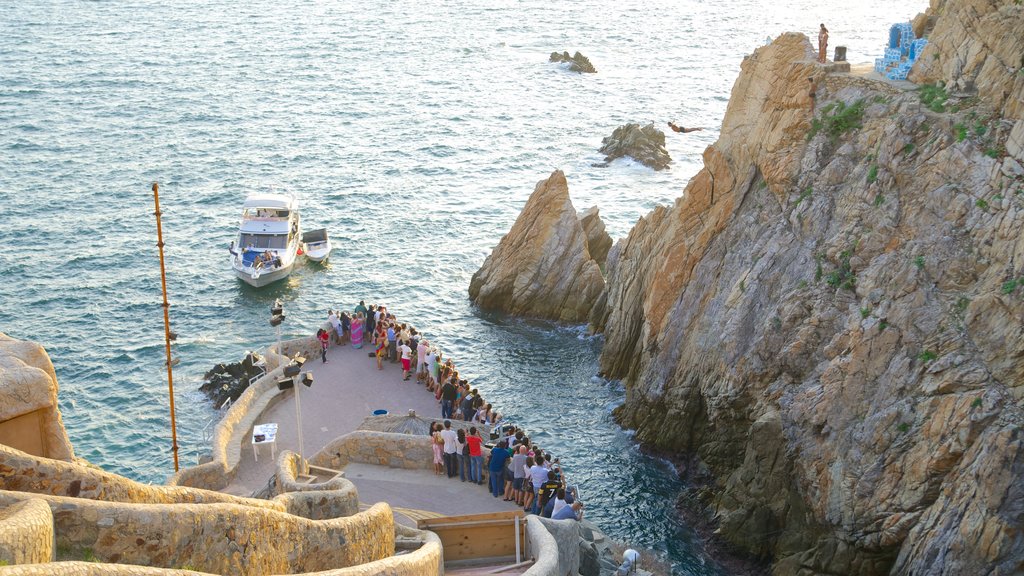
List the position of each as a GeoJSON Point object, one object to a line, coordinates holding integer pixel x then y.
{"type": "Point", "coordinates": [830, 321]}
{"type": "Point", "coordinates": [542, 267]}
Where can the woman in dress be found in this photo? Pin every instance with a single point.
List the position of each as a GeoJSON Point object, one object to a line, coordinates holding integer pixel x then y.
{"type": "Point", "coordinates": [357, 331]}
{"type": "Point", "coordinates": [436, 444]}
{"type": "Point", "coordinates": [381, 341]}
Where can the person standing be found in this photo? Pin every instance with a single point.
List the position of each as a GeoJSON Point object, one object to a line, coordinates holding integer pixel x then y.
{"type": "Point", "coordinates": [392, 343]}
{"type": "Point", "coordinates": [361, 308]}
{"type": "Point", "coordinates": [448, 394]}
{"type": "Point", "coordinates": [496, 468]}
{"type": "Point", "coordinates": [422, 356]}
{"type": "Point", "coordinates": [463, 451]}
{"type": "Point", "coordinates": [406, 360]}
{"type": "Point", "coordinates": [437, 444]}
{"type": "Point", "coordinates": [476, 456]}
{"type": "Point", "coordinates": [324, 338]}
{"type": "Point", "coordinates": [822, 43]}
{"type": "Point", "coordinates": [519, 474]}
{"type": "Point", "coordinates": [451, 451]}
{"type": "Point", "coordinates": [332, 317]}
{"type": "Point", "coordinates": [357, 331]}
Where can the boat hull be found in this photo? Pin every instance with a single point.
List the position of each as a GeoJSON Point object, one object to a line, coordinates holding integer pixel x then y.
{"type": "Point", "coordinates": [318, 254]}
{"type": "Point", "coordinates": [264, 278]}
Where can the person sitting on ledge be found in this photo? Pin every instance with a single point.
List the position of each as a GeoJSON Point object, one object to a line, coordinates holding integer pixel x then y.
{"type": "Point", "coordinates": [682, 130]}
{"type": "Point", "coordinates": [572, 512]}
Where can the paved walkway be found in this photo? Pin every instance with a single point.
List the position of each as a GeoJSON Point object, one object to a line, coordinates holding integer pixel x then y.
{"type": "Point", "coordinates": [346, 390]}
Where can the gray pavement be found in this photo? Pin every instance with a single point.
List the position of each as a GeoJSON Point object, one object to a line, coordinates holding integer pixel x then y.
{"type": "Point", "coordinates": [345, 390]}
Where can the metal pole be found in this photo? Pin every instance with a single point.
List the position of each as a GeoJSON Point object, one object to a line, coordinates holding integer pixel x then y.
{"type": "Point", "coordinates": [298, 411]}
{"type": "Point", "coordinates": [167, 322]}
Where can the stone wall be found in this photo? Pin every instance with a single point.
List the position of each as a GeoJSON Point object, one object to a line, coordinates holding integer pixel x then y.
{"type": "Point", "coordinates": [226, 445]}
{"type": "Point", "coordinates": [381, 448]}
{"type": "Point", "coordinates": [317, 501]}
{"type": "Point", "coordinates": [26, 532]}
{"type": "Point", "coordinates": [567, 538]}
{"type": "Point", "coordinates": [26, 473]}
{"type": "Point", "coordinates": [543, 547]}
{"type": "Point", "coordinates": [28, 389]}
{"type": "Point", "coordinates": [217, 538]}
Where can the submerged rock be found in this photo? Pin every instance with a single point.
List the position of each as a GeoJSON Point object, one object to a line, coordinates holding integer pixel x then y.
{"type": "Point", "coordinates": [228, 381]}
{"type": "Point", "coordinates": [645, 144]}
{"type": "Point", "coordinates": [577, 62]}
{"type": "Point", "coordinates": [830, 320]}
{"type": "Point", "coordinates": [542, 267]}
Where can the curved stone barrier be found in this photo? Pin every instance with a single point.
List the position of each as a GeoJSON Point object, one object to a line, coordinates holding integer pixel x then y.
{"type": "Point", "coordinates": [567, 536]}
{"type": "Point", "coordinates": [26, 532]}
{"type": "Point", "coordinates": [231, 431]}
{"type": "Point", "coordinates": [380, 448]}
{"type": "Point", "coordinates": [318, 501]}
{"type": "Point", "coordinates": [21, 472]}
{"type": "Point", "coordinates": [217, 538]}
{"type": "Point", "coordinates": [544, 549]}
{"type": "Point", "coordinates": [427, 560]}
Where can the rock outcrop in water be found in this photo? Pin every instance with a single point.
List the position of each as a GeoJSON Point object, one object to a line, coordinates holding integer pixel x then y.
{"type": "Point", "coordinates": [542, 267]}
{"type": "Point", "coordinates": [645, 144]}
{"type": "Point", "coordinates": [577, 62]}
{"type": "Point", "coordinates": [226, 382]}
{"type": "Point", "coordinates": [598, 240]}
{"type": "Point", "coordinates": [829, 323]}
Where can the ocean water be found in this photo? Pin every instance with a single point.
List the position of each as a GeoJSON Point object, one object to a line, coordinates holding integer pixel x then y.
{"type": "Point", "coordinates": [414, 131]}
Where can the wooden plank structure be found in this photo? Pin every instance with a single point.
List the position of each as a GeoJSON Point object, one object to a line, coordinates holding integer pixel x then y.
{"type": "Point", "coordinates": [496, 539]}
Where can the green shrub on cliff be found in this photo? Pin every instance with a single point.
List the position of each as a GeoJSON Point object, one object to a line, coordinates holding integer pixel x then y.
{"type": "Point", "coordinates": [837, 118]}
{"type": "Point", "coordinates": [934, 97]}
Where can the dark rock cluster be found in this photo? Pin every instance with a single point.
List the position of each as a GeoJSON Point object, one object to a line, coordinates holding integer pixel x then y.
{"type": "Point", "coordinates": [577, 62]}
{"type": "Point", "coordinates": [645, 144]}
{"type": "Point", "coordinates": [228, 381]}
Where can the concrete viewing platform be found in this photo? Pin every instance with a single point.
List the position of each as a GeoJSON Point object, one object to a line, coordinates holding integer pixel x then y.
{"type": "Point", "coordinates": [345, 391]}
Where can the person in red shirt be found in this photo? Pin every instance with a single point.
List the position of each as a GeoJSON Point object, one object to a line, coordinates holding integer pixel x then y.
{"type": "Point", "coordinates": [476, 456]}
{"type": "Point", "coordinates": [324, 338]}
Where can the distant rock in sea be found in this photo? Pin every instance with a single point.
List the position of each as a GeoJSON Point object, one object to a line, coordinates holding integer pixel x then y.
{"type": "Point", "coordinates": [577, 62]}
{"type": "Point", "coordinates": [645, 144]}
{"type": "Point", "coordinates": [542, 267]}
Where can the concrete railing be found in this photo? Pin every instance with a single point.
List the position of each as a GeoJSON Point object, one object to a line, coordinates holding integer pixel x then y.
{"type": "Point", "coordinates": [216, 538]}
{"type": "Point", "coordinates": [27, 473]}
{"type": "Point", "coordinates": [566, 534]}
{"type": "Point", "coordinates": [317, 501]}
{"type": "Point", "coordinates": [231, 431]}
{"type": "Point", "coordinates": [26, 532]}
{"type": "Point", "coordinates": [380, 448]}
{"type": "Point", "coordinates": [545, 550]}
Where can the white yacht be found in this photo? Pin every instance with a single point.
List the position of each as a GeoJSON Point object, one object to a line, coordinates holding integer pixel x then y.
{"type": "Point", "coordinates": [268, 239]}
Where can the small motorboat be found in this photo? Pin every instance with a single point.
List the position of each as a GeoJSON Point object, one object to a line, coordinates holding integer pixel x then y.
{"type": "Point", "coordinates": [316, 245]}
{"type": "Point", "coordinates": [268, 239]}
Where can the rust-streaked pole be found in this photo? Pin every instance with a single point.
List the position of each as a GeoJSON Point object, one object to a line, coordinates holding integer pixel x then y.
{"type": "Point", "coordinates": [167, 321]}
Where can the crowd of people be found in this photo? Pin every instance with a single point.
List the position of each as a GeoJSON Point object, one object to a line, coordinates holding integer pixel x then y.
{"type": "Point", "coordinates": [516, 469]}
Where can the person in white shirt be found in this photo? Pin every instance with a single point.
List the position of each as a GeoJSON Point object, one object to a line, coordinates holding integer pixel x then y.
{"type": "Point", "coordinates": [335, 325]}
{"type": "Point", "coordinates": [422, 352]}
{"type": "Point", "coordinates": [451, 449]}
{"type": "Point", "coordinates": [406, 359]}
